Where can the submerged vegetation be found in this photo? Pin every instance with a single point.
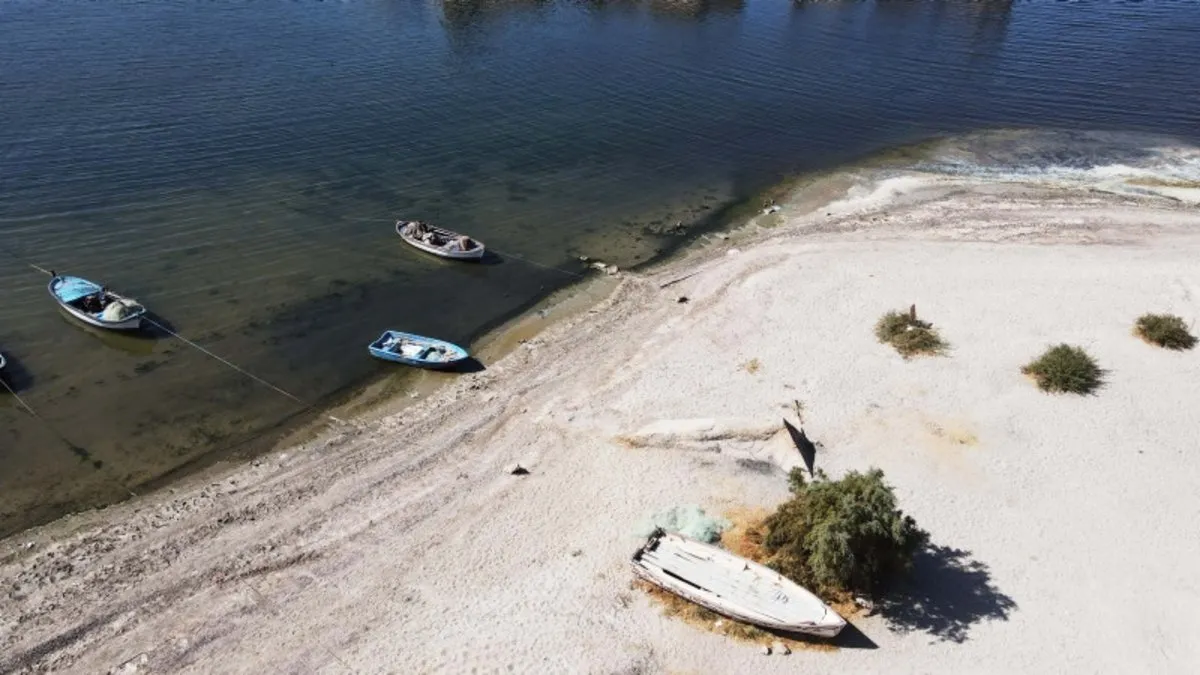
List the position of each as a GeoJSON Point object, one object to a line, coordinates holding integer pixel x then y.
{"type": "Point", "coordinates": [1065, 369]}
{"type": "Point", "coordinates": [1165, 330]}
{"type": "Point", "coordinates": [908, 334]}
{"type": "Point", "coordinates": [845, 535]}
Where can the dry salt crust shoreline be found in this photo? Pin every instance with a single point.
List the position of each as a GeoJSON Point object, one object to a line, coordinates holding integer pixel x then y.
{"type": "Point", "coordinates": [1063, 527]}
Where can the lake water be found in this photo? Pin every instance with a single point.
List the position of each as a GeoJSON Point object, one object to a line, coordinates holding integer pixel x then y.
{"type": "Point", "coordinates": [236, 166]}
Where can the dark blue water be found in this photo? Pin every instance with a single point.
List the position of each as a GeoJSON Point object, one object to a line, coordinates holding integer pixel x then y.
{"type": "Point", "coordinates": [236, 165]}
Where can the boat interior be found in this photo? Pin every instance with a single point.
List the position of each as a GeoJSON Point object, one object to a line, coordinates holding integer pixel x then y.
{"type": "Point", "coordinates": [93, 303]}
{"type": "Point", "coordinates": [438, 237]}
{"type": "Point", "coordinates": [412, 349]}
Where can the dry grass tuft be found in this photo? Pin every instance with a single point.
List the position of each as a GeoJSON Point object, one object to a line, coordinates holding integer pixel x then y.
{"type": "Point", "coordinates": [752, 366]}
{"type": "Point", "coordinates": [1065, 369]}
{"type": "Point", "coordinates": [1164, 330]}
{"type": "Point", "coordinates": [909, 335]}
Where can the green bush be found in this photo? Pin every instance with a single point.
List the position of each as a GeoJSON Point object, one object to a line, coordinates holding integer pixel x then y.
{"type": "Point", "coordinates": [841, 535]}
{"type": "Point", "coordinates": [908, 334]}
{"type": "Point", "coordinates": [1065, 369]}
{"type": "Point", "coordinates": [1164, 330]}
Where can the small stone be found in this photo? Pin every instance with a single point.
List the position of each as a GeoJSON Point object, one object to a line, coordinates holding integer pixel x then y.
{"type": "Point", "coordinates": [598, 266]}
{"type": "Point", "coordinates": [682, 299]}
{"type": "Point", "coordinates": [611, 270]}
{"type": "Point", "coordinates": [865, 604]}
{"type": "Point", "coordinates": [584, 258]}
{"type": "Point", "coordinates": [780, 648]}
{"type": "Point", "coordinates": [766, 650]}
{"type": "Point", "coordinates": [518, 470]}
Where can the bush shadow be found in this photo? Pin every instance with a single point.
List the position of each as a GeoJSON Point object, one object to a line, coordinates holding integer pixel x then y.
{"type": "Point", "coordinates": [947, 593]}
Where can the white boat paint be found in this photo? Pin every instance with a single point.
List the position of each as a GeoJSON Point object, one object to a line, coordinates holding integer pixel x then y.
{"type": "Point", "coordinates": [733, 586]}
{"type": "Point", "coordinates": [474, 254]}
{"type": "Point", "coordinates": [133, 322]}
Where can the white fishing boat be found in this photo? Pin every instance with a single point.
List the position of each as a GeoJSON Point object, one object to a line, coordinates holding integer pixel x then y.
{"type": "Point", "coordinates": [736, 587]}
{"type": "Point", "coordinates": [439, 241]}
{"type": "Point", "coordinates": [95, 305]}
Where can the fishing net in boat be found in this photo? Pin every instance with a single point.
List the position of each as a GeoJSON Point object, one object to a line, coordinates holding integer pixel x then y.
{"type": "Point", "coordinates": [689, 520]}
{"type": "Point", "coordinates": [118, 310]}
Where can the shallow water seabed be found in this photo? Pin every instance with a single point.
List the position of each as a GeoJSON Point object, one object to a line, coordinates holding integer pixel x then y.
{"type": "Point", "coordinates": [238, 167]}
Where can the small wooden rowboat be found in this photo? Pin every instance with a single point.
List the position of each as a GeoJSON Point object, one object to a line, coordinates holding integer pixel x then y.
{"type": "Point", "coordinates": [733, 586]}
{"type": "Point", "coordinates": [415, 350]}
{"type": "Point", "coordinates": [439, 241]}
{"type": "Point", "coordinates": [94, 305]}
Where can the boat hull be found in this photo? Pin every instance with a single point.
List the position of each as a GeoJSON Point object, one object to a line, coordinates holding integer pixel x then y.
{"type": "Point", "coordinates": [474, 254]}
{"type": "Point", "coordinates": [56, 288]}
{"type": "Point", "coordinates": [134, 323]}
{"type": "Point", "coordinates": [381, 349]}
{"type": "Point", "coordinates": [733, 586]}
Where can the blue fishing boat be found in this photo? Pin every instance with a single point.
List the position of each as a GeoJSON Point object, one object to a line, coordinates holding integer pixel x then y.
{"type": "Point", "coordinates": [415, 350]}
{"type": "Point", "coordinates": [95, 305]}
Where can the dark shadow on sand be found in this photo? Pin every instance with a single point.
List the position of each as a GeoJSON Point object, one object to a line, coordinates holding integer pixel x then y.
{"type": "Point", "coordinates": [808, 449]}
{"type": "Point", "coordinates": [467, 366]}
{"type": "Point", "coordinates": [947, 594]}
{"type": "Point", "coordinates": [850, 638]}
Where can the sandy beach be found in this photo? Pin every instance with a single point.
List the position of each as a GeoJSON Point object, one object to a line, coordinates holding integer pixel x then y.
{"type": "Point", "coordinates": [1062, 527]}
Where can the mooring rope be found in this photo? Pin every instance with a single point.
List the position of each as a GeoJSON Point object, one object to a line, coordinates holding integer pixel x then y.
{"type": "Point", "coordinates": [225, 361]}
{"type": "Point", "coordinates": [306, 405]}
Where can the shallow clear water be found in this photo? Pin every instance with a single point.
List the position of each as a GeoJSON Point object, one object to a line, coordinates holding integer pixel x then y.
{"type": "Point", "coordinates": [236, 166]}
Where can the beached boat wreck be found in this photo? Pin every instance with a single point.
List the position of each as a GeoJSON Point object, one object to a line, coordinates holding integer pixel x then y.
{"type": "Point", "coordinates": [439, 241]}
{"type": "Point", "coordinates": [95, 305]}
{"type": "Point", "coordinates": [417, 350]}
{"type": "Point", "coordinates": [738, 588]}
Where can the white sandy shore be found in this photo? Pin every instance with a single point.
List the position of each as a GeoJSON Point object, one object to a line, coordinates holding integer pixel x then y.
{"type": "Point", "coordinates": [1064, 527]}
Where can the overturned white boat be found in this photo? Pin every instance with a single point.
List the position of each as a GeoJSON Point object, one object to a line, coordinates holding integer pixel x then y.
{"type": "Point", "coordinates": [738, 588]}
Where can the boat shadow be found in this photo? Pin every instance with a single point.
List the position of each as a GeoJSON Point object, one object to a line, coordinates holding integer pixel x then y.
{"type": "Point", "coordinates": [849, 638]}
{"type": "Point", "coordinates": [467, 366]}
{"type": "Point", "coordinates": [947, 593]}
{"type": "Point", "coordinates": [155, 327]}
{"type": "Point", "coordinates": [489, 258]}
{"type": "Point", "coordinates": [15, 376]}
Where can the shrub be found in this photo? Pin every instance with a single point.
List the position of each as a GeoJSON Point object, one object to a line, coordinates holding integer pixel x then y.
{"type": "Point", "coordinates": [908, 334]}
{"type": "Point", "coordinates": [1164, 330]}
{"type": "Point", "coordinates": [1065, 369]}
{"type": "Point", "coordinates": [843, 535]}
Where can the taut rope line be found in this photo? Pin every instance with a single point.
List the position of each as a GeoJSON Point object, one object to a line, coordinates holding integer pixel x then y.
{"type": "Point", "coordinates": [188, 342]}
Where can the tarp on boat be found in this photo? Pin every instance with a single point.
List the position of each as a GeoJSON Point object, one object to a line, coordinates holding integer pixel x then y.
{"type": "Point", "coordinates": [70, 289]}
{"type": "Point", "coordinates": [689, 520]}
